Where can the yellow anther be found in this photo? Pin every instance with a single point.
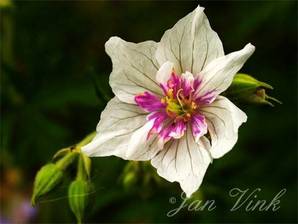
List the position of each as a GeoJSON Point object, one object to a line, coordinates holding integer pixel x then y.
{"type": "Point", "coordinates": [170, 93]}
{"type": "Point", "coordinates": [186, 117]}
{"type": "Point", "coordinates": [194, 105]}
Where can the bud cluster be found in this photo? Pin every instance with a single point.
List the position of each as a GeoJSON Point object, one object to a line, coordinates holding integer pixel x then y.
{"type": "Point", "coordinates": [52, 174]}
{"type": "Point", "coordinates": [247, 89]}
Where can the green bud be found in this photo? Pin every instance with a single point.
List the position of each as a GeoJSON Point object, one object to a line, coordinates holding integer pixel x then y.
{"type": "Point", "coordinates": [130, 174]}
{"type": "Point", "coordinates": [50, 175]}
{"type": "Point", "coordinates": [78, 197]}
{"type": "Point", "coordinates": [136, 173]}
{"type": "Point", "coordinates": [150, 174]}
{"type": "Point", "coordinates": [129, 179]}
{"type": "Point", "coordinates": [47, 178]}
{"type": "Point", "coordinates": [79, 189]}
{"type": "Point", "coordinates": [247, 89]}
{"type": "Point", "coordinates": [132, 166]}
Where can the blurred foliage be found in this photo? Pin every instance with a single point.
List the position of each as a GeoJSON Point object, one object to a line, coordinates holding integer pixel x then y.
{"type": "Point", "coordinates": [52, 58]}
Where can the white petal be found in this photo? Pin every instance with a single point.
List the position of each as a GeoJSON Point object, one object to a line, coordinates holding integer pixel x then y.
{"type": "Point", "coordinates": [218, 74]}
{"type": "Point", "coordinates": [184, 161]}
{"type": "Point", "coordinates": [188, 76]}
{"type": "Point", "coordinates": [223, 120]}
{"type": "Point", "coordinates": [191, 184]}
{"type": "Point", "coordinates": [119, 121]}
{"type": "Point", "coordinates": [190, 44]}
{"type": "Point", "coordinates": [139, 144]}
{"type": "Point", "coordinates": [134, 68]}
{"type": "Point", "coordinates": [164, 73]}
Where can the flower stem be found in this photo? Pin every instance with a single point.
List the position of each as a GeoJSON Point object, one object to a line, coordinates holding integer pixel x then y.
{"type": "Point", "coordinates": [87, 139]}
{"type": "Point", "coordinates": [66, 160]}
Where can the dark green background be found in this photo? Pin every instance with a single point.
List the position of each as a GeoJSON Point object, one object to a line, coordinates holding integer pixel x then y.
{"type": "Point", "coordinates": [52, 57]}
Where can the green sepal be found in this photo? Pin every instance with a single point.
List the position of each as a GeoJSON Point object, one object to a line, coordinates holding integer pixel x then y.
{"type": "Point", "coordinates": [61, 153]}
{"type": "Point", "coordinates": [68, 159]}
{"type": "Point", "coordinates": [86, 164]}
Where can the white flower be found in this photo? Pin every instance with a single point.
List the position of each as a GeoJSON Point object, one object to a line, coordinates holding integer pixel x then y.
{"type": "Point", "coordinates": [167, 100]}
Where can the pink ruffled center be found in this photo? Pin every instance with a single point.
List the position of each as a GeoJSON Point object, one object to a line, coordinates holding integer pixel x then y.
{"type": "Point", "coordinates": [178, 109]}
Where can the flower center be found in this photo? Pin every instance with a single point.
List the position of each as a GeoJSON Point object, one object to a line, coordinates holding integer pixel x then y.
{"type": "Point", "coordinates": [179, 106]}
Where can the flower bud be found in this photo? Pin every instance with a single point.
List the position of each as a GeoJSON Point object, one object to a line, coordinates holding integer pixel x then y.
{"type": "Point", "coordinates": [139, 173]}
{"type": "Point", "coordinates": [50, 175]}
{"type": "Point", "coordinates": [153, 176]}
{"type": "Point", "coordinates": [129, 180]}
{"type": "Point", "coordinates": [247, 89]}
{"type": "Point", "coordinates": [47, 178]}
{"type": "Point", "coordinates": [78, 197]}
{"type": "Point", "coordinates": [130, 174]}
{"type": "Point", "coordinates": [80, 188]}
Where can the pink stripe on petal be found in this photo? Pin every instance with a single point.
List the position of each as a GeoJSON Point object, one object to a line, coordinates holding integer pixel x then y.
{"type": "Point", "coordinates": [199, 126]}
{"type": "Point", "coordinates": [164, 136]}
{"type": "Point", "coordinates": [197, 82]}
{"type": "Point", "coordinates": [164, 88]}
{"type": "Point", "coordinates": [159, 118]}
{"type": "Point", "coordinates": [178, 129]}
{"type": "Point", "coordinates": [187, 87]}
{"type": "Point", "coordinates": [207, 98]}
{"type": "Point", "coordinates": [165, 133]}
{"type": "Point", "coordinates": [175, 130]}
{"type": "Point", "coordinates": [149, 102]}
